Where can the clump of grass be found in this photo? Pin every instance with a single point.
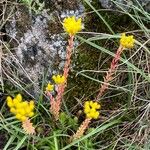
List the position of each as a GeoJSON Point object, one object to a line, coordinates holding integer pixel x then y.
{"type": "Point", "coordinates": [34, 5]}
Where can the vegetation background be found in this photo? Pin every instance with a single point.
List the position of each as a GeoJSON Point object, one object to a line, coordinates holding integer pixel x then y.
{"type": "Point", "coordinates": [124, 123]}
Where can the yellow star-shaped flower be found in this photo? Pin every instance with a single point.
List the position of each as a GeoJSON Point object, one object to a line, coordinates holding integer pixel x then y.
{"type": "Point", "coordinates": [58, 79]}
{"type": "Point", "coordinates": [90, 109]}
{"type": "Point", "coordinates": [21, 109]}
{"type": "Point", "coordinates": [72, 25]}
{"type": "Point", "coordinates": [49, 87]}
{"type": "Point", "coordinates": [127, 41]}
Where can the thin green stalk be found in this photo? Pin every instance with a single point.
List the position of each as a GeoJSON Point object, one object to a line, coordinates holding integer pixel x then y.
{"type": "Point", "coordinates": [112, 54]}
{"type": "Point", "coordinates": [105, 22]}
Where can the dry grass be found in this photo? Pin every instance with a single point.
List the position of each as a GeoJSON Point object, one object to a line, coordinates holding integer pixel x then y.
{"type": "Point", "coordinates": [125, 116]}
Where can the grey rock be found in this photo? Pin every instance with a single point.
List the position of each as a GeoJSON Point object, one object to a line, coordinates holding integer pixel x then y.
{"type": "Point", "coordinates": [40, 46]}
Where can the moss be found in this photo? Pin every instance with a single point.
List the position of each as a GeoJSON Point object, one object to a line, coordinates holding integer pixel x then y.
{"type": "Point", "coordinates": [54, 26]}
{"type": "Point", "coordinates": [86, 60]}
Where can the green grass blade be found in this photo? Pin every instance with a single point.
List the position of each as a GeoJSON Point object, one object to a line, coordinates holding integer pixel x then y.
{"type": "Point", "coordinates": [100, 16]}
{"type": "Point", "coordinates": [112, 54]}
{"type": "Point", "coordinates": [12, 138]}
{"type": "Point", "coordinates": [20, 143]}
{"type": "Point", "coordinates": [56, 142]}
{"type": "Point", "coordinates": [96, 130]}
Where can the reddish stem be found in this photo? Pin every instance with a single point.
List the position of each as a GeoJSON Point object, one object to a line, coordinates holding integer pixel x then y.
{"type": "Point", "coordinates": [110, 72]}
{"type": "Point", "coordinates": [56, 103]}
{"type": "Point", "coordinates": [68, 56]}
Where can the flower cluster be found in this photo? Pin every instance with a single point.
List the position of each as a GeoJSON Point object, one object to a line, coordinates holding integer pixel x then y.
{"type": "Point", "coordinates": [21, 109]}
{"type": "Point", "coordinates": [71, 25]}
{"type": "Point", "coordinates": [55, 101]}
{"type": "Point", "coordinates": [127, 41]}
{"type": "Point", "coordinates": [58, 79]}
{"type": "Point", "coordinates": [90, 109]}
{"type": "Point", "coordinates": [49, 87]}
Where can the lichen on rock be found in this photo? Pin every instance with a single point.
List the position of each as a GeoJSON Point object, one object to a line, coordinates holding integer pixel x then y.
{"type": "Point", "coordinates": [38, 41]}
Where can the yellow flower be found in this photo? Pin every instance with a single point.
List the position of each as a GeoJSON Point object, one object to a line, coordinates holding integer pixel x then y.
{"type": "Point", "coordinates": [13, 110]}
{"type": "Point", "coordinates": [19, 97]}
{"type": "Point", "coordinates": [72, 25]}
{"type": "Point", "coordinates": [9, 101]}
{"type": "Point", "coordinates": [31, 105]}
{"type": "Point", "coordinates": [31, 102]}
{"type": "Point", "coordinates": [90, 109]}
{"type": "Point", "coordinates": [49, 87]}
{"type": "Point", "coordinates": [31, 114]}
{"type": "Point", "coordinates": [58, 79]}
{"type": "Point", "coordinates": [127, 41]}
{"type": "Point", "coordinates": [22, 109]}
{"type": "Point", "coordinates": [24, 104]}
{"type": "Point", "coordinates": [23, 118]}
{"type": "Point", "coordinates": [18, 105]}
{"type": "Point", "coordinates": [27, 110]}
{"type": "Point", "coordinates": [16, 101]}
